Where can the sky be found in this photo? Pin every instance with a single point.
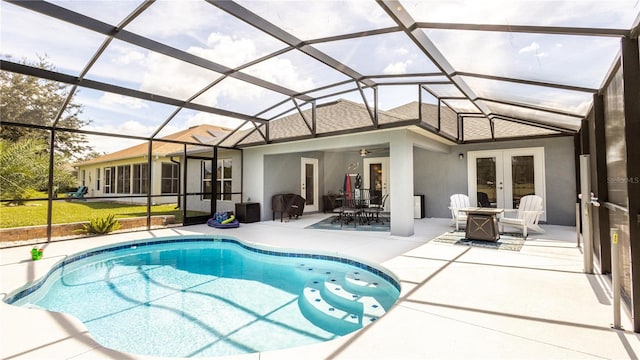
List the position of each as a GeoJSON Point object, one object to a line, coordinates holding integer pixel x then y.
{"type": "Point", "coordinates": [205, 31]}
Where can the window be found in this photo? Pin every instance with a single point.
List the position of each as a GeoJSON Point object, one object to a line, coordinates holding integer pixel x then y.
{"type": "Point", "coordinates": [223, 186]}
{"type": "Point", "coordinates": [170, 181]}
{"type": "Point", "coordinates": [98, 179]}
{"type": "Point", "coordinates": [123, 185]}
{"type": "Point", "coordinates": [207, 175]}
{"type": "Point", "coordinates": [109, 180]}
{"type": "Point", "coordinates": [140, 179]}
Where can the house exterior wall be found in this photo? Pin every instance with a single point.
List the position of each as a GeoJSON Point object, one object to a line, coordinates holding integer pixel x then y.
{"type": "Point", "coordinates": [194, 183]}
{"type": "Point", "coordinates": [336, 166]}
{"type": "Point", "coordinates": [260, 184]}
{"type": "Point", "coordinates": [438, 175]}
{"type": "Point", "coordinates": [284, 174]}
{"type": "Point", "coordinates": [437, 170]}
{"type": "Point", "coordinates": [260, 180]}
{"type": "Point", "coordinates": [87, 177]}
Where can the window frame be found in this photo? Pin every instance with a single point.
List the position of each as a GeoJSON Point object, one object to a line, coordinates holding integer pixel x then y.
{"type": "Point", "coordinates": [174, 178]}
{"type": "Point", "coordinates": [139, 178]}
{"type": "Point", "coordinates": [123, 179]}
{"type": "Point", "coordinates": [224, 183]}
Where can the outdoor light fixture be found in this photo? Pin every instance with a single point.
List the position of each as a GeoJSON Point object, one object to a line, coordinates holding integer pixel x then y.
{"type": "Point", "coordinates": [461, 156]}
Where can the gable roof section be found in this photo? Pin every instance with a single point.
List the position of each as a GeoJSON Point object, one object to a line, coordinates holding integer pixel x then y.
{"type": "Point", "coordinates": [334, 117]}
{"type": "Point", "coordinates": [205, 134]}
{"type": "Point", "coordinates": [448, 118]}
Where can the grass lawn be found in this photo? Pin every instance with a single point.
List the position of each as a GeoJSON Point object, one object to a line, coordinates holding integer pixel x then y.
{"type": "Point", "coordinates": [35, 212]}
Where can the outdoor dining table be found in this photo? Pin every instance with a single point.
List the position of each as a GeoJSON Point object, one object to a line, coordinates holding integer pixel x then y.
{"type": "Point", "coordinates": [356, 204]}
{"type": "Point", "coordinates": [482, 223]}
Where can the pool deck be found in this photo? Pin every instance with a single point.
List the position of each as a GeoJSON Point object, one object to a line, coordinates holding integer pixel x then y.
{"type": "Point", "coordinates": [456, 301]}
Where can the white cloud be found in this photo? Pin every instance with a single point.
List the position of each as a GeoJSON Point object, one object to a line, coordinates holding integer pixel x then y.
{"type": "Point", "coordinates": [472, 50]}
{"type": "Point", "coordinates": [401, 51]}
{"type": "Point", "coordinates": [174, 78]}
{"type": "Point", "coordinates": [105, 144]}
{"type": "Point", "coordinates": [614, 14]}
{"type": "Point", "coordinates": [130, 57]}
{"type": "Point", "coordinates": [533, 47]}
{"type": "Point", "coordinates": [316, 19]}
{"type": "Point", "coordinates": [281, 70]}
{"type": "Point", "coordinates": [227, 50]}
{"type": "Point", "coordinates": [114, 99]}
{"type": "Point", "coordinates": [212, 119]}
{"type": "Point", "coordinates": [397, 67]}
{"type": "Point", "coordinates": [168, 18]}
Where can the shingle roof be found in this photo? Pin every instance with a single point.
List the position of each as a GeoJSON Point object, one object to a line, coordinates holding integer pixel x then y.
{"type": "Point", "coordinates": [330, 118]}
{"type": "Point", "coordinates": [448, 118]}
{"type": "Point", "coordinates": [205, 134]}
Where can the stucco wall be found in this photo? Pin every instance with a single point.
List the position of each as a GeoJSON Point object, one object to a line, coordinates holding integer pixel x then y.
{"type": "Point", "coordinates": [90, 180]}
{"type": "Point", "coordinates": [194, 183]}
{"type": "Point", "coordinates": [282, 175]}
{"type": "Point", "coordinates": [337, 165]}
{"type": "Point", "coordinates": [438, 175]}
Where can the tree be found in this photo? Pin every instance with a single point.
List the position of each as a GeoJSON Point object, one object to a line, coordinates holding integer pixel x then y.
{"type": "Point", "coordinates": [24, 168]}
{"type": "Point", "coordinates": [29, 100]}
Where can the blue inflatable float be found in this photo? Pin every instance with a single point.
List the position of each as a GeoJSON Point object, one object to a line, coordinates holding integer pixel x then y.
{"type": "Point", "coordinates": [223, 220]}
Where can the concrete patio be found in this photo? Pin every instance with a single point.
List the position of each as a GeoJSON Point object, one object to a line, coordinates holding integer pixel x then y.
{"type": "Point", "coordinates": [456, 301]}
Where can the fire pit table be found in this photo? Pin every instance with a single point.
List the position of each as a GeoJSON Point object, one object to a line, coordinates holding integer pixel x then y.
{"type": "Point", "coordinates": [482, 223]}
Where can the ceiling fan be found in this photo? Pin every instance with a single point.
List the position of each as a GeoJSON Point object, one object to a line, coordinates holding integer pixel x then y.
{"type": "Point", "coordinates": [378, 151]}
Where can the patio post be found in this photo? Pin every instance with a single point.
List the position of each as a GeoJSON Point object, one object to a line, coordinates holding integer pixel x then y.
{"type": "Point", "coordinates": [401, 184]}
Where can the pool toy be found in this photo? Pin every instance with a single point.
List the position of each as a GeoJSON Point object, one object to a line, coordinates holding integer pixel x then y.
{"type": "Point", "coordinates": [223, 220]}
{"type": "Point", "coordinates": [36, 254]}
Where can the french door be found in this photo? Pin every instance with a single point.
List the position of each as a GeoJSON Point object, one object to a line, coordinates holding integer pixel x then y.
{"type": "Point", "coordinates": [309, 183]}
{"type": "Point", "coordinates": [376, 178]}
{"type": "Point", "coordinates": [499, 178]}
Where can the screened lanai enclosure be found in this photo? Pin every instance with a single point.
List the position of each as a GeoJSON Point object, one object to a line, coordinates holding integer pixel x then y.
{"type": "Point", "coordinates": [158, 110]}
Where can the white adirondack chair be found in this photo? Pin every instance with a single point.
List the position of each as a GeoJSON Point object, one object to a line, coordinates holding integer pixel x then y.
{"type": "Point", "coordinates": [527, 215]}
{"type": "Point", "coordinates": [458, 201]}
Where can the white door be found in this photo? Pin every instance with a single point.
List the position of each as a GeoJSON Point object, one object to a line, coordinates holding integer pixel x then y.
{"type": "Point", "coordinates": [309, 183]}
{"type": "Point", "coordinates": [499, 178]}
{"type": "Point", "coordinates": [376, 178]}
{"type": "Point", "coordinates": [108, 180]}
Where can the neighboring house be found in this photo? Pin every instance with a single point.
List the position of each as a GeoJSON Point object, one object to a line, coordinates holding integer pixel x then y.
{"type": "Point", "coordinates": [124, 175]}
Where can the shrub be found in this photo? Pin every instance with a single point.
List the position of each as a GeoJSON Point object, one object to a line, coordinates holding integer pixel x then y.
{"type": "Point", "coordinates": [102, 225]}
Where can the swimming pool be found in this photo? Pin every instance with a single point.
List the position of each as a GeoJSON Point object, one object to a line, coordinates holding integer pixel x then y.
{"type": "Point", "coordinates": [194, 296]}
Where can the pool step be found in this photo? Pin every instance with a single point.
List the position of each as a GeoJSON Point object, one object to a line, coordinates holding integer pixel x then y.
{"type": "Point", "coordinates": [341, 302]}
{"type": "Point", "coordinates": [358, 281]}
{"type": "Point", "coordinates": [361, 282]}
{"type": "Point", "coordinates": [325, 315]}
{"type": "Point", "coordinates": [336, 293]}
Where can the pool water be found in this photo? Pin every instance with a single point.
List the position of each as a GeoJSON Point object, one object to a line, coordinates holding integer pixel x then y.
{"type": "Point", "coordinates": [212, 298]}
